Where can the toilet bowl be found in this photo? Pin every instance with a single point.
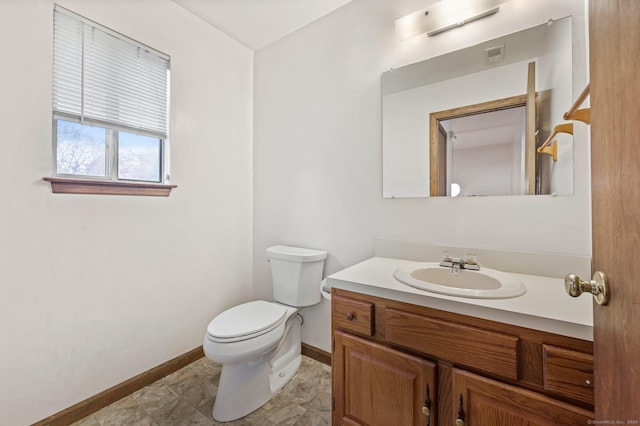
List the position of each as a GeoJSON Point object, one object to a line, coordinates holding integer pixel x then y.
{"type": "Point", "coordinates": [258, 343]}
{"type": "Point", "coordinates": [257, 359]}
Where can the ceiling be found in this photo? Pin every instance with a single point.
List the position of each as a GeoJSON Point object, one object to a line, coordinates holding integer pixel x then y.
{"type": "Point", "coordinates": [489, 128]}
{"type": "Point", "coordinates": [257, 23]}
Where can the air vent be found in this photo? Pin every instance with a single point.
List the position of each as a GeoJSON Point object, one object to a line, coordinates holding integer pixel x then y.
{"type": "Point", "coordinates": [494, 55]}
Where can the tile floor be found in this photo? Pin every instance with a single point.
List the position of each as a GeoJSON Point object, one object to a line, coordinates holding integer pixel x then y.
{"type": "Point", "coordinates": [186, 398]}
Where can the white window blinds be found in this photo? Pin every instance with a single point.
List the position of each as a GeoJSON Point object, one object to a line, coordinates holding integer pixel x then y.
{"type": "Point", "coordinates": [103, 78]}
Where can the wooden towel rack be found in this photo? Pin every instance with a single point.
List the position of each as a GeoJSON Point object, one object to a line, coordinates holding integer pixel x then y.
{"type": "Point", "coordinates": [574, 113]}
{"type": "Point", "coordinates": [550, 146]}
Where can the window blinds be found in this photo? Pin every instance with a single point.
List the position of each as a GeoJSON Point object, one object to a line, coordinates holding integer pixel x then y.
{"type": "Point", "coordinates": [103, 78]}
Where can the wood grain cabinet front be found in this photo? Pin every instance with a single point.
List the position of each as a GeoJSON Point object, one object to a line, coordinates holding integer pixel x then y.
{"type": "Point", "coordinates": [481, 401]}
{"type": "Point", "coordinates": [396, 363]}
{"type": "Point", "coordinates": [568, 372]}
{"type": "Point", "coordinates": [353, 315]}
{"type": "Point", "coordinates": [494, 353]}
{"type": "Point", "coordinates": [375, 385]}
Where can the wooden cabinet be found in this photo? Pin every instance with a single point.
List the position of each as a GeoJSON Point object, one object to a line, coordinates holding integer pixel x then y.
{"type": "Point", "coordinates": [462, 344]}
{"type": "Point", "coordinates": [378, 386]}
{"type": "Point", "coordinates": [568, 372]}
{"type": "Point", "coordinates": [353, 315]}
{"type": "Point", "coordinates": [391, 359]}
{"type": "Point", "coordinates": [481, 401]}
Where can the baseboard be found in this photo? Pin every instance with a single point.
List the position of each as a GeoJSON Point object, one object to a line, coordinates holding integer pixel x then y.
{"type": "Point", "coordinates": [119, 391]}
{"type": "Point", "coordinates": [316, 353]}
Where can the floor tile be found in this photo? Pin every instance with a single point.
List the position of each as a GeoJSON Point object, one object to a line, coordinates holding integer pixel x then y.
{"type": "Point", "coordinates": [153, 397]}
{"type": "Point", "coordinates": [173, 412]}
{"type": "Point", "coordinates": [313, 417]}
{"type": "Point", "coordinates": [87, 421]}
{"type": "Point", "coordinates": [123, 416]}
{"type": "Point", "coordinates": [186, 397]}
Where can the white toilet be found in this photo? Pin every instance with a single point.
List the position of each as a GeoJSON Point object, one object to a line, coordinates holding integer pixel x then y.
{"type": "Point", "coordinates": [258, 343]}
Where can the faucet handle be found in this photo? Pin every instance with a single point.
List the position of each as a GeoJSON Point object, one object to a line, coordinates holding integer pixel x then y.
{"type": "Point", "coordinates": [471, 262]}
{"type": "Point", "coordinates": [446, 260]}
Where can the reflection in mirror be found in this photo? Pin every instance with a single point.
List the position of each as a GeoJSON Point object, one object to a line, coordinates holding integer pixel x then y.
{"type": "Point", "coordinates": [533, 64]}
{"type": "Point", "coordinates": [484, 153]}
{"type": "Point", "coordinates": [486, 145]}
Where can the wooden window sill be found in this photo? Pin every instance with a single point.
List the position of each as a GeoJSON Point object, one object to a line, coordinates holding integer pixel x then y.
{"type": "Point", "coordinates": [101, 187]}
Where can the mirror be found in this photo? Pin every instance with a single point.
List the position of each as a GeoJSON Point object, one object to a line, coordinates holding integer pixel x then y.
{"type": "Point", "coordinates": [456, 124]}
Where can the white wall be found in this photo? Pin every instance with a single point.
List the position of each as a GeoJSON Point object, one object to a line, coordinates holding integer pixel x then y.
{"type": "Point", "coordinates": [318, 149]}
{"type": "Point", "coordinates": [97, 289]}
{"type": "Point", "coordinates": [484, 169]}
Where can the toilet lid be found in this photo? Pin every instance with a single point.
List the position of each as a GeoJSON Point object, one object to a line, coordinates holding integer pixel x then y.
{"type": "Point", "coordinates": [247, 319]}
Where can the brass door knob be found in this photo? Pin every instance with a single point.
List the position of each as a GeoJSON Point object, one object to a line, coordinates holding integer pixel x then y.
{"type": "Point", "coordinates": [574, 287]}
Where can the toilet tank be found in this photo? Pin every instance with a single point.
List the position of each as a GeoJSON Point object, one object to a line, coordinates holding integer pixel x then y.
{"type": "Point", "coordinates": [296, 274]}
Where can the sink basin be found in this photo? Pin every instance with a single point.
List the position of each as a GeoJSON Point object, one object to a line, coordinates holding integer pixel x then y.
{"type": "Point", "coordinates": [483, 284]}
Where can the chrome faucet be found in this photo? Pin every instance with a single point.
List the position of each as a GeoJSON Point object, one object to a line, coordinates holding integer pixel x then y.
{"type": "Point", "coordinates": [456, 263]}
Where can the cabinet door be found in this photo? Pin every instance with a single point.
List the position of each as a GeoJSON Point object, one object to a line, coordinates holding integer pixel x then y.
{"type": "Point", "coordinates": [479, 401]}
{"type": "Point", "coordinates": [377, 386]}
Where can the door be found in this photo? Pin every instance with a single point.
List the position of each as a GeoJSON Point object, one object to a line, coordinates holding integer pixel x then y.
{"type": "Point", "coordinates": [614, 49]}
{"type": "Point", "coordinates": [480, 401]}
{"type": "Point", "coordinates": [378, 386]}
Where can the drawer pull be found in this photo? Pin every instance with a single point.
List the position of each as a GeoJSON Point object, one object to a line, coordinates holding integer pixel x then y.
{"type": "Point", "coordinates": [588, 382]}
{"type": "Point", "coordinates": [460, 419]}
{"type": "Point", "coordinates": [426, 410]}
{"type": "Point", "coordinates": [351, 316]}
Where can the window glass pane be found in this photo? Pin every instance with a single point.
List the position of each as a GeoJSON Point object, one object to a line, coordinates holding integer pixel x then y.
{"type": "Point", "coordinates": [139, 157]}
{"type": "Point", "coordinates": [81, 149]}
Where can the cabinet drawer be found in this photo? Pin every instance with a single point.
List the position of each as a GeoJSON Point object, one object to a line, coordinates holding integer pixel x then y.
{"type": "Point", "coordinates": [491, 352]}
{"type": "Point", "coordinates": [568, 373]}
{"type": "Point", "coordinates": [353, 315]}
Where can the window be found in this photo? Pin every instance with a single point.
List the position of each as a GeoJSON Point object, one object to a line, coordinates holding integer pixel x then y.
{"type": "Point", "coordinates": [110, 104]}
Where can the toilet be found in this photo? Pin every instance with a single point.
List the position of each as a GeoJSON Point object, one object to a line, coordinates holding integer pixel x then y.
{"type": "Point", "coordinates": [258, 343]}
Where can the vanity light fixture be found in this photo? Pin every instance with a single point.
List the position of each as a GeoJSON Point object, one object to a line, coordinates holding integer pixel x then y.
{"type": "Point", "coordinates": [464, 21]}
{"type": "Point", "coordinates": [444, 16]}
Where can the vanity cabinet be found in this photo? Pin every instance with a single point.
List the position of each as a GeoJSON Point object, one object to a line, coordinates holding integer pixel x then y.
{"type": "Point", "coordinates": [396, 363]}
{"type": "Point", "coordinates": [380, 385]}
{"type": "Point", "coordinates": [481, 401]}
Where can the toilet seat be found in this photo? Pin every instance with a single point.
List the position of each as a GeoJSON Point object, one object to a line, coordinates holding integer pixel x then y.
{"type": "Point", "coordinates": [246, 321]}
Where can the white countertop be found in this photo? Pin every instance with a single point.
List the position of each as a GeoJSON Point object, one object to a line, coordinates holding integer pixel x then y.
{"type": "Point", "coordinates": [545, 306]}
